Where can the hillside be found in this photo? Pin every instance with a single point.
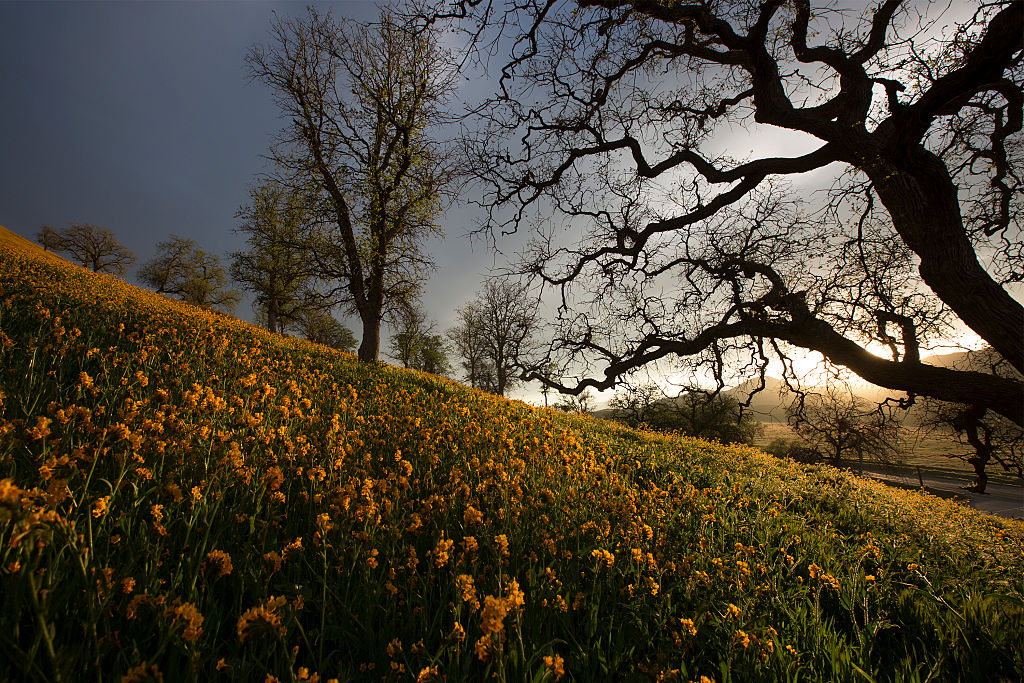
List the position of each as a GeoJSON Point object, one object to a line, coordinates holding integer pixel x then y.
{"type": "Point", "coordinates": [186, 497]}
{"type": "Point", "coordinates": [17, 243]}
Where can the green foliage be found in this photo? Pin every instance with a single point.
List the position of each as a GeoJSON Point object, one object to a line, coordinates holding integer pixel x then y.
{"type": "Point", "coordinates": [416, 345]}
{"type": "Point", "coordinates": [276, 266]}
{"type": "Point", "coordinates": [182, 269]}
{"type": "Point", "coordinates": [320, 327]}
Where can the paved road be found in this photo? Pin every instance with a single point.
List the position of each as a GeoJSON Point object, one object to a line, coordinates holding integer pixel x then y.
{"type": "Point", "coordinates": [998, 499]}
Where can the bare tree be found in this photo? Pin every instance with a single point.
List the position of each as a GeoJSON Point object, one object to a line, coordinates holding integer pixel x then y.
{"type": "Point", "coordinates": [276, 265]}
{"type": "Point", "coordinates": [694, 411]}
{"type": "Point", "coordinates": [844, 427]}
{"type": "Point", "coordinates": [637, 404]}
{"type": "Point", "coordinates": [711, 415]}
{"type": "Point", "coordinates": [92, 246]}
{"type": "Point", "coordinates": [470, 346]}
{"type": "Point", "coordinates": [495, 333]}
{"type": "Point", "coordinates": [363, 102]}
{"type": "Point", "coordinates": [582, 403]}
{"type": "Point", "coordinates": [611, 115]}
{"type": "Point", "coordinates": [182, 269]}
{"type": "Point", "coordinates": [994, 438]}
{"type": "Point", "coordinates": [549, 371]}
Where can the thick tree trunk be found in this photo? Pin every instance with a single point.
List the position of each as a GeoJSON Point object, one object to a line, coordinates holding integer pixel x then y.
{"type": "Point", "coordinates": [272, 315]}
{"type": "Point", "coordinates": [500, 375]}
{"type": "Point", "coordinates": [371, 314]}
{"type": "Point", "coordinates": [922, 200]}
{"type": "Point", "coordinates": [369, 347]}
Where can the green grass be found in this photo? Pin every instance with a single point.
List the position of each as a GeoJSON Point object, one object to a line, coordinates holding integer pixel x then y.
{"type": "Point", "coordinates": [186, 496]}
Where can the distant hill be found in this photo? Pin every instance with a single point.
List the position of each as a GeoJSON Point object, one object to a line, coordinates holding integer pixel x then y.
{"type": "Point", "coordinates": [769, 404]}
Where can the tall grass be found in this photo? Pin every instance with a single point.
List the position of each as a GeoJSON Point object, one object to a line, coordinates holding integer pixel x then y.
{"type": "Point", "coordinates": [186, 497]}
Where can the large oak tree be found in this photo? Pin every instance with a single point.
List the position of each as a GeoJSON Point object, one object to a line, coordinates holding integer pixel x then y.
{"type": "Point", "coordinates": [674, 139]}
{"type": "Point", "coordinates": [362, 103]}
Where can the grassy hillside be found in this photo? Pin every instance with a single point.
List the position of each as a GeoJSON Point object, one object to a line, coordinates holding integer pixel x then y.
{"type": "Point", "coordinates": [186, 497]}
{"type": "Point", "coordinates": [17, 243]}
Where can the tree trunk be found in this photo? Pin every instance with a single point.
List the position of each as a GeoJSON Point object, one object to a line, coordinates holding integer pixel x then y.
{"type": "Point", "coordinates": [922, 200]}
{"type": "Point", "coordinates": [369, 347]}
{"type": "Point", "coordinates": [272, 315]}
{"type": "Point", "coordinates": [500, 375]}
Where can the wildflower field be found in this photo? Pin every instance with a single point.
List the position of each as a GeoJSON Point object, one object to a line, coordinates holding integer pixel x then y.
{"type": "Point", "coordinates": [186, 497]}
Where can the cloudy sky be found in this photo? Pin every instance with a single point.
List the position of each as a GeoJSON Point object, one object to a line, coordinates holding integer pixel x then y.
{"type": "Point", "coordinates": [139, 116]}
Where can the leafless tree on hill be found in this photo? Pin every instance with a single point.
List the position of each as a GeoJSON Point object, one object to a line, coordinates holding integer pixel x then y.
{"type": "Point", "coordinates": [495, 333]}
{"type": "Point", "coordinates": [612, 114]}
{"type": "Point", "coordinates": [845, 428]}
{"type": "Point", "coordinates": [995, 439]}
{"type": "Point", "coordinates": [91, 246]}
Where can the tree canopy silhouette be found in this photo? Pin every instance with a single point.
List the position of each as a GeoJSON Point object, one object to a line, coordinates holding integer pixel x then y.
{"type": "Point", "coordinates": [627, 125]}
{"type": "Point", "coordinates": [92, 246]}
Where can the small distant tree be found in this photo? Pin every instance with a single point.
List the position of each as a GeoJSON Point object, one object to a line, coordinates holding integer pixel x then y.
{"type": "Point", "coordinates": [434, 356]}
{"type": "Point", "coordinates": [321, 327]}
{"type": "Point", "coordinates": [994, 438]}
{"type": "Point", "coordinates": [638, 404]}
{"type": "Point", "coordinates": [275, 266]}
{"type": "Point", "coordinates": [548, 372]}
{"type": "Point", "coordinates": [48, 238]}
{"type": "Point", "coordinates": [794, 449]}
{"type": "Point", "coordinates": [416, 344]}
{"type": "Point", "coordinates": [696, 412]}
{"type": "Point", "coordinates": [470, 347]}
{"type": "Point", "coordinates": [713, 416]}
{"type": "Point", "coordinates": [182, 269]}
{"type": "Point", "coordinates": [845, 428]}
{"type": "Point", "coordinates": [410, 327]}
{"type": "Point", "coordinates": [504, 315]}
{"type": "Point", "coordinates": [582, 403]}
{"type": "Point", "coordinates": [92, 246]}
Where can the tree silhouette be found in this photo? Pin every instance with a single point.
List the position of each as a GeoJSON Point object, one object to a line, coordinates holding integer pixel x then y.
{"type": "Point", "coordinates": [611, 121]}
{"type": "Point", "coordinates": [275, 266]}
{"type": "Point", "coordinates": [495, 333]}
{"type": "Point", "coordinates": [91, 246]}
{"type": "Point", "coordinates": [843, 427]}
{"type": "Point", "coordinates": [182, 269]}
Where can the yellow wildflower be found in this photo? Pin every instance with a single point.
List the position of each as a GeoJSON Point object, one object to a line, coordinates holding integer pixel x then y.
{"type": "Point", "coordinates": [556, 665]}
{"type": "Point", "coordinates": [492, 618]}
